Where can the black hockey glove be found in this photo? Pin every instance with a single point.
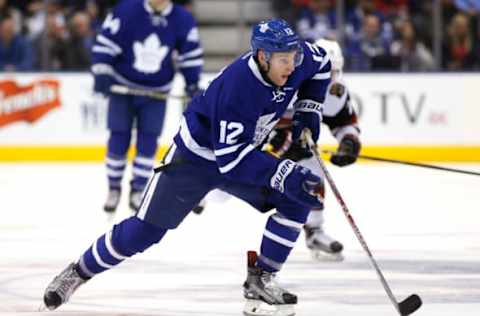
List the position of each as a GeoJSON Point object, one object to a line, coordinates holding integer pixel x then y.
{"type": "Point", "coordinates": [192, 90]}
{"type": "Point", "coordinates": [347, 151]}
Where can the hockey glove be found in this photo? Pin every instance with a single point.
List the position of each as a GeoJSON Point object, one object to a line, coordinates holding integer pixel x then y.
{"type": "Point", "coordinates": [308, 114]}
{"type": "Point", "coordinates": [298, 184]}
{"type": "Point", "coordinates": [102, 84]}
{"type": "Point", "coordinates": [347, 151]}
{"type": "Point", "coordinates": [192, 90]}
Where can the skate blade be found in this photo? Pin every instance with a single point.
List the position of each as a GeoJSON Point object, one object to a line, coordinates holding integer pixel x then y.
{"type": "Point", "coordinates": [322, 256]}
{"type": "Point", "coordinates": [260, 308]}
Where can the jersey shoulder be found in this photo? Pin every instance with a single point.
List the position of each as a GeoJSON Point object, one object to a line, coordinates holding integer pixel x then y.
{"type": "Point", "coordinates": [315, 59]}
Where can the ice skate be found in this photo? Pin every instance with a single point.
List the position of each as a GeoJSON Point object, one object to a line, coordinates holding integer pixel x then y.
{"type": "Point", "coordinates": [322, 246]}
{"type": "Point", "coordinates": [264, 296]}
{"type": "Point", "coordinates": [136, 197]}
{"type": "Point", "coordinates": [113, 199]}
{"type": "Point", "coordinates": [62, 287]}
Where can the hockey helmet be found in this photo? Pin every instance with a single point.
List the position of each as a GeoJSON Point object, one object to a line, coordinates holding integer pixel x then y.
{"type": "Point", "coordinates": [276, 35]}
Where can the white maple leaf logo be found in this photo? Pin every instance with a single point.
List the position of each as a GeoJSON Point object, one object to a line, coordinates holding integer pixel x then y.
{"type": "Point", "coordinates": [264, 27]}
{"type": "Point", "coordinates": [149, 55]}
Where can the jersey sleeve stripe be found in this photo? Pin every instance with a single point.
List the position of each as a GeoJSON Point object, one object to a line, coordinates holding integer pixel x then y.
{"type": "Point", "coordinates": [104, 50]}
{"type": "Point", "coordinates": [192, 145]}
{"type": "Point", "coordinates": [321, 76]}
{"type": "Point", "coordinates": [109, 43]}
{"type": "Point", "coordinates": [227, 150]}
{"type": "Point", "coordinates": [193, 53]}
{"type": "Point", "coordinates": [237, 160]}
{"type": "Point", "coordinates": [191, 63]}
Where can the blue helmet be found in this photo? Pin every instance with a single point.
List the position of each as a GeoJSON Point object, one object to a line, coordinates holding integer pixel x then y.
{"type": "Point", "coordinates": [276, 36]}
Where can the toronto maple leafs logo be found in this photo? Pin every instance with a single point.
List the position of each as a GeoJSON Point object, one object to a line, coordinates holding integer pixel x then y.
{"type": "Point", "coordinates": [264, 27]}
{"type": "Point", "coordinates": [265, 124]}
{"type": "Point", "coordinates": [149, 55]}
{"type": "Point", "coordinates": [278, 95]}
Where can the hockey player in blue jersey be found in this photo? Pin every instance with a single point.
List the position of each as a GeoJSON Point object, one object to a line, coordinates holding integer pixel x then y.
{"type": "Point", "coordinates": [218, 147]}
{"type": "Point", "coordinates": [134, 49]}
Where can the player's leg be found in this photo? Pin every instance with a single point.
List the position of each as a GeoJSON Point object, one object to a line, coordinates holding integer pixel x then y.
{"type": "Point", "coordinates": [119, 122]}
{"type": "Point", "coordinates": [150, 117]}
{"type": "Point", "coordinates": [322, 246]}
{"type": "Point", "coordinates": [170, 196]}
{"type": "Point", "coordinates": [279, 238]}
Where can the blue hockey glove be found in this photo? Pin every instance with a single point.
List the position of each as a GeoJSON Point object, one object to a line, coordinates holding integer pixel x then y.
{"type": "Point", "coordinates": [192, 90]}
{"type": "Point", "coordinates": [347, 151]}
{"type": "Point", "coordinates": [308, 114]}
{"type": "Point", "coordinates": [102, 84]}
{"type": "Point", "coordinates": [298, 184]}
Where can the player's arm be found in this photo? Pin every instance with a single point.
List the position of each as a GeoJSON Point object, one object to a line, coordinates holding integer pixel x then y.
{"type": "Point", "coordinates": [190, 55]}
{"type": "Point", "coordinates": [106, 50]}
{"type": "Point", "coordinates": [341, 118]}
{"type": "Point", "coordinates": [311, 95]}
{"type": "Point", "coordinates": [237, 157]}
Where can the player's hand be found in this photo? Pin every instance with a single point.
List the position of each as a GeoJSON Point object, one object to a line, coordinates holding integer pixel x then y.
{"type": "Point", "coordinates": [281, 141]}
{"type": "Point", "coordinates": [298, 184]}
{"type": "Point", "coordinates": [192, 90]}
{"type": "Point", "coordinates": [102, 84]}
{"type": "Point", "coordinates": [347, 151]}
{"type": "Point", "coordinates": [308, 114]}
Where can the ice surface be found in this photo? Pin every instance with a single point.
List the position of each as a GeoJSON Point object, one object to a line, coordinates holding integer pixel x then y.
{"type": "Point", "coordinates": [423, 227]}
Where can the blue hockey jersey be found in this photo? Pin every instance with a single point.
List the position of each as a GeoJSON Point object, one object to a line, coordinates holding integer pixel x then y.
{"type": "Point", "coordinates": [223, 127]}
{"type": "Point", "coordinates": [135, 46]}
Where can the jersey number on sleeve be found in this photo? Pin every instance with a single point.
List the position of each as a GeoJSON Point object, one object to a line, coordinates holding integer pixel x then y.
{"type": "Point", "coordinates": [229, 131]}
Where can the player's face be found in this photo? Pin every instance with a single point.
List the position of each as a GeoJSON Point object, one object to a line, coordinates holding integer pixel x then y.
{"type": "Point", "coordinates": [281, 67]}
{"type": "Point", "coordinates": [159, 5]}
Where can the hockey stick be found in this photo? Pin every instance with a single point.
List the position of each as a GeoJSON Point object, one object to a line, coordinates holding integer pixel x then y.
{"type": "Point", "coordinates": [124, 90]}
{"type": "Point", "coordinates": [412, 302]}
{"type": "Point", "coordinates": [409, 163]}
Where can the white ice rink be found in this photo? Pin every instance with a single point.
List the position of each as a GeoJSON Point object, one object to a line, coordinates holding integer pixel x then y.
{"type": "Point", "coordinates": [423, 227]}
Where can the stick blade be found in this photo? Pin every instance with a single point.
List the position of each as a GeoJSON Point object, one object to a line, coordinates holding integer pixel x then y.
{"type": "Point", "coordinates": [410, 305]}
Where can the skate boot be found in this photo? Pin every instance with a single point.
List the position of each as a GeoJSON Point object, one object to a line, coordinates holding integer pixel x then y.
{"type": "Point", "coordinates": [264, 296]}
{"type": "Point", "coordinates": [136, 197]}
{"type": "Point", "coordinates": [322, 246]}
{"type": "Point", "coordinates": [113, 199]}
{"type": "Point", "coordinates": [62, 287]}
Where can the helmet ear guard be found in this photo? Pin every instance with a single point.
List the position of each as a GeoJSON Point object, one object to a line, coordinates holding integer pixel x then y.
{"type": "Point", "coordinates": [274, 36]}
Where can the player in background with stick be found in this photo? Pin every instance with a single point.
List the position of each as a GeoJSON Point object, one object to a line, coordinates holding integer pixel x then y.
{"type": "Point", "coordinates": [341, 118]}
{"type": "Point", "coordinates": [134, 49]}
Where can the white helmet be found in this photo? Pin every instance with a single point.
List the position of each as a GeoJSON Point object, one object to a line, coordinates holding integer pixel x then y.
{"type": "Point", "coordinates": [334, 51]}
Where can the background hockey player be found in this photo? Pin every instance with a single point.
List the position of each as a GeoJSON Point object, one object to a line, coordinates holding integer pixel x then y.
{"type": "Point", "coordinates": [134, 49]}
{"type": "Point", "coordinates": [217, 148]}
{"type": "Point", "coordinates": [341, 118]}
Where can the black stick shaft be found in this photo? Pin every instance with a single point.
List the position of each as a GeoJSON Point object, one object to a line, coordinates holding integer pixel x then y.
{"type": "Point", "coordinates": [354, 226]}
{"type": "Point", "coordinates": [415, 164]}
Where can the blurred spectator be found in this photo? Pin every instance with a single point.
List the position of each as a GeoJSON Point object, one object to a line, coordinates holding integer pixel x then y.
{"type": "Point", "coordinates": [51, 45]}
{"type": "Point", "coordinates": [80, 42]}
{"type": "Point", "coordinates": [461, 50]}
{"type": "Point", "coordinates": [421, 13]}
{"type": "Point", "coordinates": [15, 50]}
{"type": "Point", "coordinates": [368, 50]}
{"type": "Point", "coordinates": [356, 16]}
{"type": "Point", "coordinates": [409, 53]}
{"type": "Point", "coordinates": [6, 9]}
{"type": "Point", "coordinates": [317, 20]}
{"type": "Point", "coordinates": [94, 15]}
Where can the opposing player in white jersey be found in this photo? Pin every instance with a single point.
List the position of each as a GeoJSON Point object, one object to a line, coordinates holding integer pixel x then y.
{"type": "Point", "coordinates": [340, 116]}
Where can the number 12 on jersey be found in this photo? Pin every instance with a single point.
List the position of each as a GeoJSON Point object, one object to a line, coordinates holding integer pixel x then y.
{"type": "Point", "coordinates": [229, 131]}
